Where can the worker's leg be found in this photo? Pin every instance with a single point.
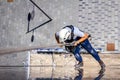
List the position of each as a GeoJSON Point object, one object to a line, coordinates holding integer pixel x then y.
{"type": "Point", "coordinates": [78, 57]}
{"type": "Point", "coordinates": [86, 45]}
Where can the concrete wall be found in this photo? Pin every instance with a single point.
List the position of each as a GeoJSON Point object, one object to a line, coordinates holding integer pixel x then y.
{"type": "Point", "coordinates": [14, 23]}
{"type": "Point", "coordinates": [99, 18]}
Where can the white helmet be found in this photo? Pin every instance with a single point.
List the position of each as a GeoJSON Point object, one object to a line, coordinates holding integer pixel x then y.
{"type": "Point", "coordinates": [64, 34]}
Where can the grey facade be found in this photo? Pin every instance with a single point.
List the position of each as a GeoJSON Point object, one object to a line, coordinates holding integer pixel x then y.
{"type": "Point", "coordinates": [100, 18]}
{"type": "Point", "coordinates": [97, 17]}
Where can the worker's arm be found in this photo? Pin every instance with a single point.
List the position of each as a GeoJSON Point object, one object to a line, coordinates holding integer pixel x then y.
{"type": "Point", "coordinates": [81, 39]}
{"type": "Point", "coordinates": [57, 38]}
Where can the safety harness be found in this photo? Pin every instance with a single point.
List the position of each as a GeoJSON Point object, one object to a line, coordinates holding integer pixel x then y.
{"type": "Point", "coordinates": [70, 48]}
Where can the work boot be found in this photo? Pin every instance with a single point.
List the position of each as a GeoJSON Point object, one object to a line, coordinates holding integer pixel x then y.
{"type": "Point", "coordinates": [80, 64]}
{"type": "Point", "coordinates": [102, 65]}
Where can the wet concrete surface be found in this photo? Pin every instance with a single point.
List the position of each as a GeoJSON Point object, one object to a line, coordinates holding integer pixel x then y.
{"type": "Point", "coordinates": [68, 73]}
{"type": "Point", "coordinates": [90, 71]}
{"type": "Point", "coordinates": [13, 73]}
{"type": "Point", "coordinates": [59, 73]}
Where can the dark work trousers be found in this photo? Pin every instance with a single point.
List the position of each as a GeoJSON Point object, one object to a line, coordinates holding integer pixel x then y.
{"type": "Point", "coordinates": [87, 46]}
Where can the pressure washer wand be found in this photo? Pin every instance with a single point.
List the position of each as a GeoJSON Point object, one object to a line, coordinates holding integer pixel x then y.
{"type": "Point", "coordinates": [66, 44]}
{"type": "Point", "coordinates": [28, 48]}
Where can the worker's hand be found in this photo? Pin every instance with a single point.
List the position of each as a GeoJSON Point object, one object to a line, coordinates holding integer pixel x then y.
{"type": "Point", "coordinates": [61, 44]}
{"type": "Point", "coordinates": [76, 43]}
